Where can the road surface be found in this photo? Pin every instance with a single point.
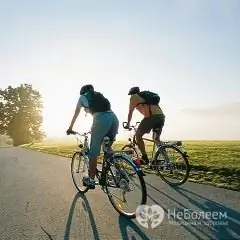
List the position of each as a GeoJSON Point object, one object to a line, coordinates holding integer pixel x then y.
{"type": "Point", "coordinates": [39, 201]}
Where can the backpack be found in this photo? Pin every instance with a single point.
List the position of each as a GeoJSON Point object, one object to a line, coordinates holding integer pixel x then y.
{"type": "Point", "coordinates": [150, 98]}
{"type": "Point", "coordinates": [98, 103]}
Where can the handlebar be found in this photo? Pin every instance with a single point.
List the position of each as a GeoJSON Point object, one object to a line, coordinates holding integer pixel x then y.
{"type": "Point", "coordinates": [129, 127]}
{"type": "Point", "coordinates": [80, 134]}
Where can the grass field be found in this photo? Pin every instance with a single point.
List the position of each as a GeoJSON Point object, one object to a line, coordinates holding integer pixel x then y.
{"type": "Point", "coordinates": [212, 162]}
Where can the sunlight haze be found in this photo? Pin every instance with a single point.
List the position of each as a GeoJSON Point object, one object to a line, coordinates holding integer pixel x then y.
{"type": "Point", "coordinates": [186, 51]}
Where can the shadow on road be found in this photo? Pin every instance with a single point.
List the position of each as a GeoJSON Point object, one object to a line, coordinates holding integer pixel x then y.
{"type": "Point", "coordinates": [129, 230]}
{"type": "Point", "coordinates": [207, 205]}
{"type": "Point", "coordinates": [202, 229]}
{"type": "Point", "coordinates": [87, 208]}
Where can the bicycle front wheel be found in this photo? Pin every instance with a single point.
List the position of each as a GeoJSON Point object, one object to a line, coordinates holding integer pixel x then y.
{"type": "Point", "coordinates": [123, 177]}
{"type": "Point", "coordinates": [79, 169]}
{"type": "Point", "coordinates": [172, 165]}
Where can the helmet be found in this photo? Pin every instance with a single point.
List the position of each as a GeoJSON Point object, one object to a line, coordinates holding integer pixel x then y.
{"type": "Point", "coordinates": [134, 90]}
{"type": "Point", "coordinates": [86, 88]}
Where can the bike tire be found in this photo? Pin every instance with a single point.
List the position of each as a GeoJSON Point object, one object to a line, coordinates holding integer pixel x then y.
{"type": "Point", "coordinates": [81, 190]}
{"type": "Point", "coordinates": [142, 183]}
{"type": "Point", "coordinates": [184, 157]}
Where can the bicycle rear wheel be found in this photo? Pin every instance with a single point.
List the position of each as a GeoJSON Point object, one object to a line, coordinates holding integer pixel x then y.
{"type": "Point", "coordinates": [129, 150]}
{"type": "Point", "coordinates": [124, 176]}
{"type": "Point", "coordinates": [167, 159]}
{"type": "Point", "coordinates": [78, 170]}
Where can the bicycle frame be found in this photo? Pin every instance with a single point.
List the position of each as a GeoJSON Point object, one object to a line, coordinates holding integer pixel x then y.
{"type": "Point", "coordinates": [162, 147]}
{"type": "Point", "coordinates": [154, 140]}
{"type": "Point", "coordinates": [112, 174]}
{"type": "Point", "coordinates": [108, 159]}
{"type": "Point", "coordinates": [109, 155]}
{"type": "Point", "coordinates": [133, 142]}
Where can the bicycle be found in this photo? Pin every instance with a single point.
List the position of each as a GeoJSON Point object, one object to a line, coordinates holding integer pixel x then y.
{"type": "Point", "coordinates": [165, 163]}
{"type": "Point", "coordinates": [113, 173]}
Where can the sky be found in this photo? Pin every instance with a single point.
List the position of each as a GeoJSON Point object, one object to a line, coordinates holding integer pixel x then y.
{"type": "Point", "coordinates": [185, 50]}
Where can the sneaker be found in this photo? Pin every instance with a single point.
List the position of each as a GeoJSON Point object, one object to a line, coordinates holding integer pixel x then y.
{"type": "Point", "coordinates": [88, 182]}
{"type": "Point", "coordinates": [137, 162]}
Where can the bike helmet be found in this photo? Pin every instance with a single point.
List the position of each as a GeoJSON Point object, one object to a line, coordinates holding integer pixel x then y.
{"type": "Point", "coordinates": [134, 90]}
{"type": "Point", "coordinates": [86, 88]}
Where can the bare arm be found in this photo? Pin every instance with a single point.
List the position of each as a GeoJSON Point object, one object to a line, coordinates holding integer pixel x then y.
{"type": "Point", "coordinates": [130, 111]}
{"type": "Point", "coordinates": [77, 111]}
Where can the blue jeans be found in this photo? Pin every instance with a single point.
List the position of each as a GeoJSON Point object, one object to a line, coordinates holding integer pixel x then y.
{"type": "Point", "coordinates": [104, 124]}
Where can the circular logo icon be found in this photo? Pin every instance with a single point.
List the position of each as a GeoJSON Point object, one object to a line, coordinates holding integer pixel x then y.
{"type": "Point", "coordinates": [149, 216]}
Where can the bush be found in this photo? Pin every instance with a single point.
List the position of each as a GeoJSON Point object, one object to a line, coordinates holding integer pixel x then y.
{"type": "Point", "coordinates": [5, 140]}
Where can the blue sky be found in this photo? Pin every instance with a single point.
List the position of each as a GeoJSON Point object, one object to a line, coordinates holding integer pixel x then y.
{"type": "Point", "coordinates": [187, 51]}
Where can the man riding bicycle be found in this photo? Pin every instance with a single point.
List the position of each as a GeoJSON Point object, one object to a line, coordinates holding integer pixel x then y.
{"type": "Point", "coordinates": [147, 103]}
{"type": "Point", "coordinates": [105, 123]}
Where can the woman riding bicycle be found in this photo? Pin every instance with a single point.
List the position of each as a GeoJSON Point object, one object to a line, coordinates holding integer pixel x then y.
{"type": "Point", "coordinates": [105, 123]}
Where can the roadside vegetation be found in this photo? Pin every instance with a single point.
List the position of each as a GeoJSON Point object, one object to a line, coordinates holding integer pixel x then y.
{"type": "Point", "coordinates": [5, 141]}
{"type": "Point", "coordinates": [212, 162]}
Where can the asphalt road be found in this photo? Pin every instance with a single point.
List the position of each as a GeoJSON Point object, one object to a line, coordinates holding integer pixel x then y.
{"type": "Point", "coordinates": [39, 201]}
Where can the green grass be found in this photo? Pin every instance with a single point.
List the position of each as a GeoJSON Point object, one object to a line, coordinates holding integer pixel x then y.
{"type": "Point", "coordinates": [212, 162]}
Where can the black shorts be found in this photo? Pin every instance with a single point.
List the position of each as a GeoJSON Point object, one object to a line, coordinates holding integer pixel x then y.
{"type": "Point", "coordinates": [149, 123]}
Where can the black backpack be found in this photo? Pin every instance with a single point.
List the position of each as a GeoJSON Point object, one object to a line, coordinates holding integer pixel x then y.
{"type": "Point", "coordinates": [98, 103]}
{"type": "Point", "coordinates": [150, 98]}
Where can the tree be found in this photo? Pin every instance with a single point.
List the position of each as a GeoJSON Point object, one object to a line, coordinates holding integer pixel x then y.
{"type": "Point", "coordinates": [21, 114]}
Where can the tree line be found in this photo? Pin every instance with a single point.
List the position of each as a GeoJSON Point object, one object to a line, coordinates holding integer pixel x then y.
{"type": "Point", "coordinates": [21, 114]}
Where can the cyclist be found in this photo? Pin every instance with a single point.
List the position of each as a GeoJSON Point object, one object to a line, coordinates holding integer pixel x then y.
{"type": "Point", "coordinates": [105, 123]}
{"type": "Point", "coordinates": [147, 103]}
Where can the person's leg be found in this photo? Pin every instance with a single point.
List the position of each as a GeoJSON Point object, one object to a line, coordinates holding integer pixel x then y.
{"type": "Point", "coordinates": [100, 127]}
{"type": "Point", "coordinates": [143, 128]}
{"type": "Point", "coordinates": [146, 125]}
{"type": "Point", "coordinates": [113, 131]}
{"type": "Point", "coordinates": [158, 122]}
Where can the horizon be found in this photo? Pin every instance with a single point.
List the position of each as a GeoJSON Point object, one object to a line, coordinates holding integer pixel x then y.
{"type": "Point", "coordinates": [186, 51]}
